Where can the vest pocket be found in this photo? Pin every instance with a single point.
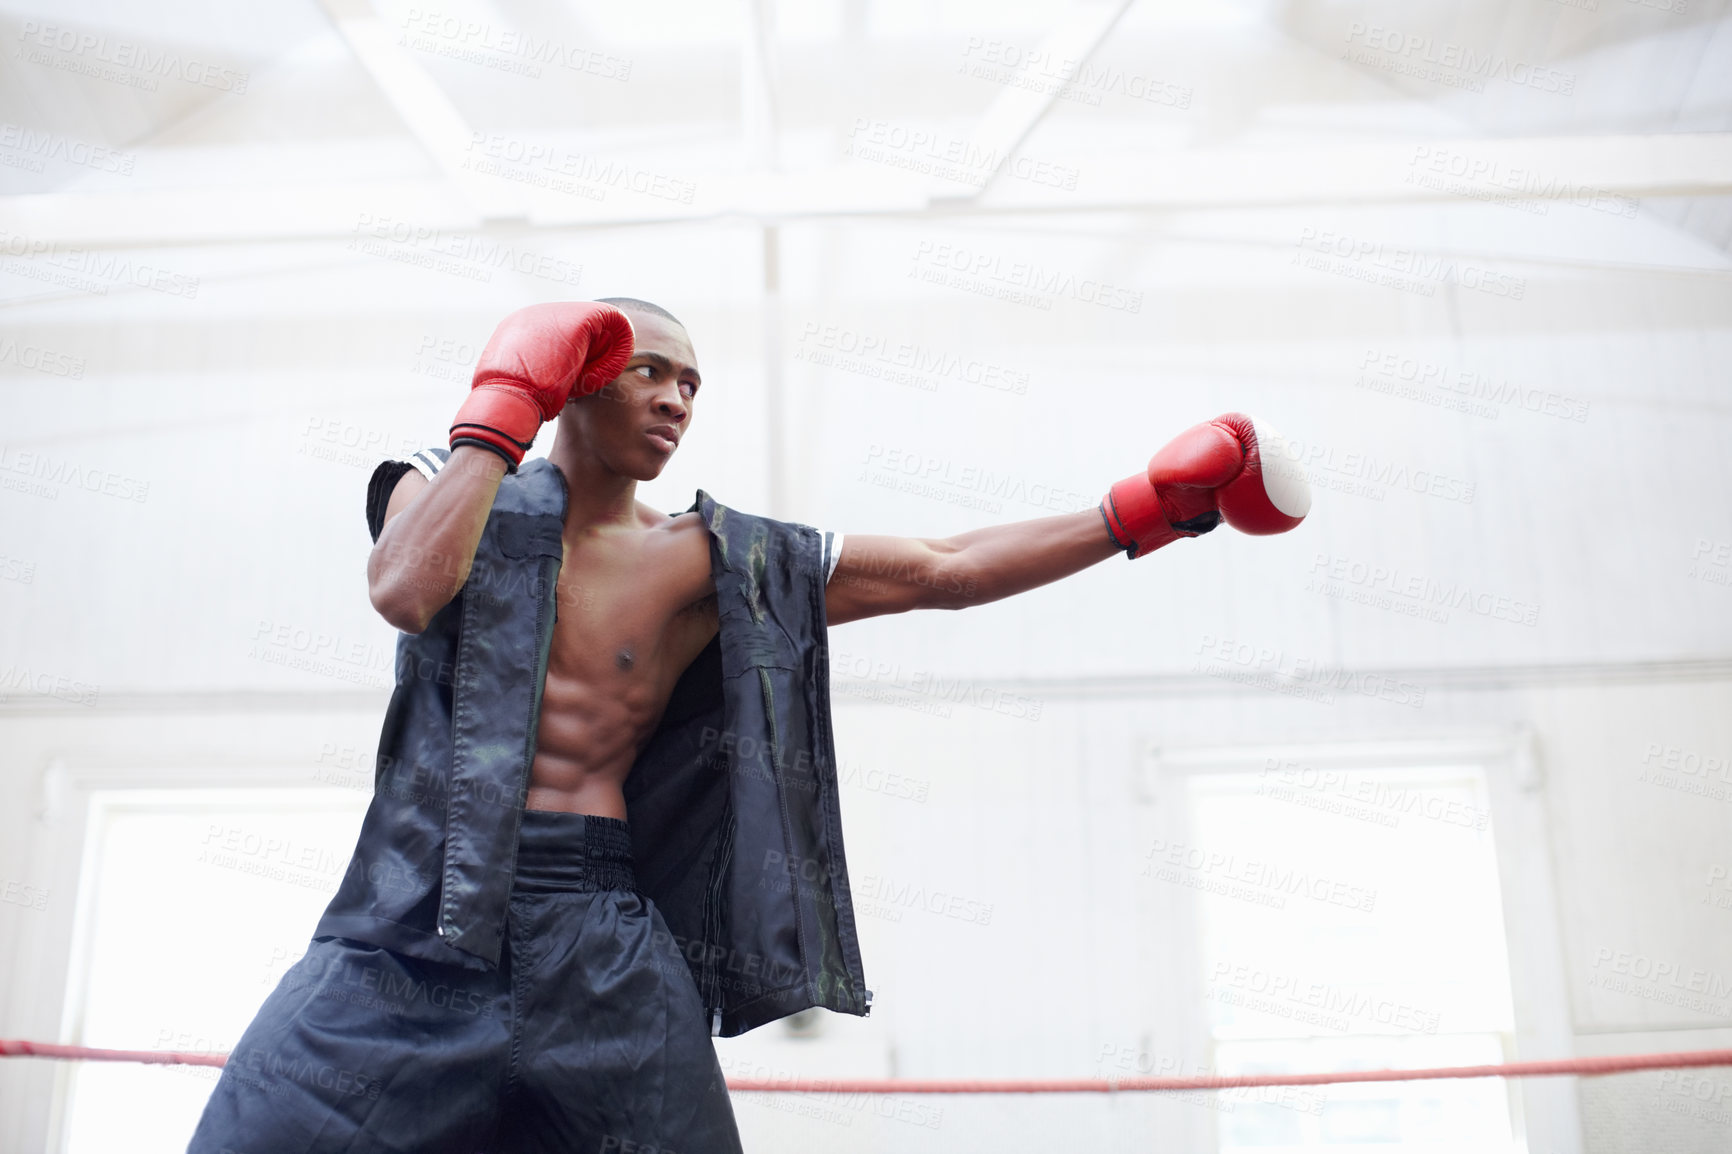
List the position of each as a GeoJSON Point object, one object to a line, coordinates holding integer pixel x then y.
{"type": "Point", "coordinates": [520, 535]}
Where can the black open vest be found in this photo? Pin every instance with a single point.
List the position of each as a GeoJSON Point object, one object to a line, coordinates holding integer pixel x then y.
{"type": "Point", "coordinates": [736, 829]}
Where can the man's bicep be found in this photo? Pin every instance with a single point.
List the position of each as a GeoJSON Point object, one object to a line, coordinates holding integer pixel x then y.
{"type": "Point", "coordinates": [877, 575]}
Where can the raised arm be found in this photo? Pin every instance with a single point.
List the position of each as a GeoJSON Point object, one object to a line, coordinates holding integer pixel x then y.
{"type": "Point", "coordinates": [423, 553]}
{"type": "Point", "coordinates": [1211, 471]}
{"type": "Point", "coordinates": [537, 360]}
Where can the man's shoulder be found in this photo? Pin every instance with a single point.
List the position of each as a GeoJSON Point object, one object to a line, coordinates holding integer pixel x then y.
{"type": "Point", "coordinates": [680, 539]}
{"type": "Point", "coordinates": [676, 526]}
{"type": "Point", "coordinates": [708, 517]}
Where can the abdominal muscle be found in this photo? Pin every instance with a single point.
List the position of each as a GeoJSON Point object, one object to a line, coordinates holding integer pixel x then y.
{"type": "Point", "coordinates": [620, 644]}
{"type": "Point", "coordinates": [589, 738]}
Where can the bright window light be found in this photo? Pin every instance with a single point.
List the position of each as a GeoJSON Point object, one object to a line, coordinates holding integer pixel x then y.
{"type": "Point", "coordinates": [193, 904]}
{"type": "Point", "coordinates": [1353, 920]}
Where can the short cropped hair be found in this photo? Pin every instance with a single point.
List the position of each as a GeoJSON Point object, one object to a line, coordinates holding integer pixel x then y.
{"type": "Point", "coordinates": [654, 310]}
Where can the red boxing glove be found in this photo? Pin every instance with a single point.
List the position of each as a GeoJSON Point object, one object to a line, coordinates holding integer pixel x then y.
{"type": "Point", "coordinates": [1209, 472]}
{"type": "Point", "coordinates": [1270, 494]}
{"type": "Point", "coordinates": [539, 359]}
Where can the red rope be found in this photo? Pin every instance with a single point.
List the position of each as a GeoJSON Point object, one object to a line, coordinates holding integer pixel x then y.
{"type": "Point", "coordinates": [1617, 1064]}
{"type": "Point", "coordinates": [10, 1049]}
{"type": "Point", "coordinates": [1587, 1067]}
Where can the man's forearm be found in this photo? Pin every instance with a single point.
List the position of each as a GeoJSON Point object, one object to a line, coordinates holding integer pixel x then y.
{"type": "Point", "coordinates": [1004, 560]}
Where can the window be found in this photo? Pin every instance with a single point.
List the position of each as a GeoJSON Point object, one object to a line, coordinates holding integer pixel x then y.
{"type": "Point", "coordinates": [193, 904]}
{"type": "Point", "coordinates": [1351, 919]}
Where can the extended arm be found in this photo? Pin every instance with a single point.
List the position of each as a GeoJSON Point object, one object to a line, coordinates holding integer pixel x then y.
{"type": "Point", "coordinates": [1212, 471]}
{"type": "Point", "coordinates": [880, 575]}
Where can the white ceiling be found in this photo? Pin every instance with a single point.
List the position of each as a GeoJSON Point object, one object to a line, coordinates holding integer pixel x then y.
{"type": "Point", "coordinates": [347, 103]}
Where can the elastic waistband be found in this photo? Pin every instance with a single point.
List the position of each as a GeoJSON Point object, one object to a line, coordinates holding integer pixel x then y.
{"type": "Point", "coordinates": [573, 853]}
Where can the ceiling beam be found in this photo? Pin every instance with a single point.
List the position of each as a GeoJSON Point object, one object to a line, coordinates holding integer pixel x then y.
{"type": "Point", "coordinates": [1537, 170]}
{"type": "Point", "coordinates": [423, 106]}
{"type": "Point", "coordinates": [1016, 110]}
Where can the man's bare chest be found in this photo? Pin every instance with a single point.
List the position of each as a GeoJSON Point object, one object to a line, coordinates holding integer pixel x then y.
{"type": "Point", "coordinates": [625, 622]}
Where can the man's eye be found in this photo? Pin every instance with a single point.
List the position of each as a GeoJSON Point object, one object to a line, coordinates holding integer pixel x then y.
{"type": "Point", "coordinates": [692, 387]}
{"type": "Point", "coordinates": [646, 370]}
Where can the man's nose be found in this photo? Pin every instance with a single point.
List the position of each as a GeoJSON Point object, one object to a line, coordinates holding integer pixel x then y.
{"type": "Point", "coordinates": [670, 403]}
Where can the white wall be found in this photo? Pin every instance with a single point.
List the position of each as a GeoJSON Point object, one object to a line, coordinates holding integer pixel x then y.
{"type": "Point", "coordinates": [138, 623]}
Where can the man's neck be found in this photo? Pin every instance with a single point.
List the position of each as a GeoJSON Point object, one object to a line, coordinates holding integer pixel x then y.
{"type": "Point", "coordinates": [597, 499]}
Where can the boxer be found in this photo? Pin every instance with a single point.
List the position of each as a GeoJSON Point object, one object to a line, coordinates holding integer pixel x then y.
{"type": "Point", "coordinates": [494, 972]}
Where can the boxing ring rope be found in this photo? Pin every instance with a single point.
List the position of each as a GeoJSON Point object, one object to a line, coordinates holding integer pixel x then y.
{"type": "Point", "coordinates": [1584, 1067]}
{"type": "Point", "coordinates": [17, 1049]}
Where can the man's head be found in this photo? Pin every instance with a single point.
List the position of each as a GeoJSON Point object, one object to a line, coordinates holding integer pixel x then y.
{"type": "Point", "coordinates": [656, 392]}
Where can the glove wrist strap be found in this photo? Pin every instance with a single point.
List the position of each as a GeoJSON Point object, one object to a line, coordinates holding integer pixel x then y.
{"type": "Point", "coordinates": [1134, 517]}
{"type": "Point", "coordinates": [499, 418]}
{"type": "Point", "coordinates": [1138, 524]}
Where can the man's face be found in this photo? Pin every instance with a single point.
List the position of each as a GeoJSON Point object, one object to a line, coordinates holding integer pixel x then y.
{"type": "Point", "coordinates": [634, 423]}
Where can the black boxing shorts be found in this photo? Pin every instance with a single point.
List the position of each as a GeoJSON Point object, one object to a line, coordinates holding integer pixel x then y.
{"type": "Point", "coordinates": [589, 1036]}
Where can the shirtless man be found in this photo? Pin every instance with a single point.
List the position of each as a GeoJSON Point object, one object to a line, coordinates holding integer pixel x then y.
{"type": "Point", "coordinates": [636, 599]}
{"type": "Point", "coordinates": [554, 1054]}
